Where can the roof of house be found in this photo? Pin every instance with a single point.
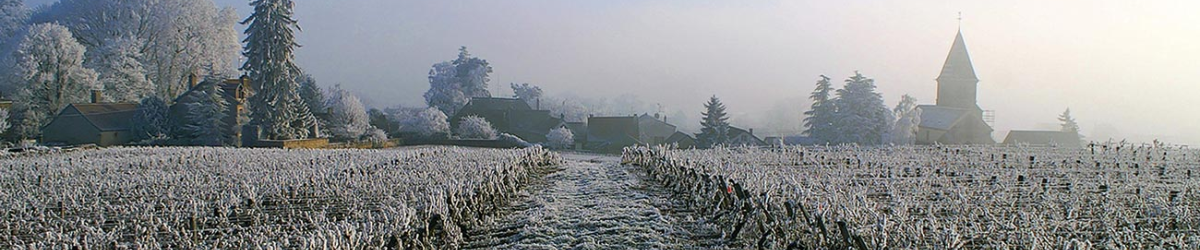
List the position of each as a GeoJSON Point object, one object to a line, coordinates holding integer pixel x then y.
{"type": "Point", "coordinates": [680, 137]}
{"type": "Point", "coordinates": [497, 103]}
{"type": "Point", "coordinates": [958, 62]}
{"type": "Point", "coordinates": [734, 131]}
{"type": "Point", "coordinates": [1059, 138]}
{"type": "Point", "coordinates": [646, 119]}
{"type": "Point", "coordinates": [940, 117]}
{"type": "Point", "coordinates": [106, 116]}
{"type": "Point", "coordinates": [229, 88]}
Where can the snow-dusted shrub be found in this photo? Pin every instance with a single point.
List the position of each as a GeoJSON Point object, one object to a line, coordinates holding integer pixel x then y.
{"type": "Point", "coordinates": [475, 127]}
{"type": "Point", "coordinates": [560, 138]}
{"type": "Point", "coordinates": [347, 118]}
{"type": "Point", "coordinates": [375, 136]}
{"type": "Point", "coordinates": [430, 123]}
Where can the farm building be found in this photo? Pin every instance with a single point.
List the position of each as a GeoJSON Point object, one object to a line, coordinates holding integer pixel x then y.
{"type": "Point", "coordinates": [1043, 138]}
{"type": "Point", "coordinates": [956, 118]}
{"type": "Point", "coordinates": [99, 123]}
{"type": "Point", "coordinates": [616, 132]}
{"type": "Point", "coordinates": [511, 116]}
{"type": "Point", "coordinates": [235, 92]}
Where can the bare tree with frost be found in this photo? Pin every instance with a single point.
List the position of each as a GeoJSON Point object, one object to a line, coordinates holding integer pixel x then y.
{"type": "Point", "coordinates": [176, 38]}
{"type": "Point", "coordinates": [13, 15]}
{"type": "Point", "coordinates": [908, 119]}
{"type": "Point", "coordinates": [348, 118]}
{"type": "Point", "coordinates": [452, 84]}
{"type": "Point", "coordinates": [120, 71]}
{"type": "Point", "coordinates": [50, 75]}
{"type": "Point", "coordinates": [560, 138]}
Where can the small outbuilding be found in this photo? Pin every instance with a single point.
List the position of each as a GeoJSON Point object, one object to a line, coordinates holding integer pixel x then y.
{"type": "Point", "coordinates": [102, 124]}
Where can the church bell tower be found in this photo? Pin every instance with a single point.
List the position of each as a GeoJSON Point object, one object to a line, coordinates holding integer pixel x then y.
{"type": "Point", "coordinates": [957, 84]}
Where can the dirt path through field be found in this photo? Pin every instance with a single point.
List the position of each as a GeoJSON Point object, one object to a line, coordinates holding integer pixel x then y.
{"type": "Point", "coordinates": [593, 202]}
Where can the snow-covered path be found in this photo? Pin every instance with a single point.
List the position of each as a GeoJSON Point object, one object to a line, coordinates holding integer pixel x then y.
{"type": "Point", "coordinates": [593, 202]}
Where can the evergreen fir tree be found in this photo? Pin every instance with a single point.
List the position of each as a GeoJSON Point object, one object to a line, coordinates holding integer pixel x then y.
{"type": "Point", "coordinates": [276, 108]}
{"type": "Point", "coordinates": [312, 95]}
{"type": "Point", "coordinates": [150, 121]}
{"type": "Point", "coordinates": [205, 119]}
{"type": "Point", "coordinates": [819, 118]}
{"type": "Point", "coordinates": [861, 117]}
{"type": "Point", "coordinates": [714, 126]}
{"type": "Point", "coordinates": [1068, 123]}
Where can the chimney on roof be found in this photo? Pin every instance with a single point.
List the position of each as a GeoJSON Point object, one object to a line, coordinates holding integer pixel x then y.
{"type": "Point", "coordinates": [97, 96]}
{"type": "Point", "coordinates": [193, 80]}
{"type": "Point", "coordinates": [751, 131]}
{"type": "Point", "coordinates": [538, 104]}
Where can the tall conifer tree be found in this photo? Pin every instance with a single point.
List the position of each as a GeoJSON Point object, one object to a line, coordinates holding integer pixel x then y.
{"type": "Point", "coordinates": [715, 126]}
{"type": "Point", "coordinates": [270, 40]}
{"type": "Point", "coordinates": [819, 118]}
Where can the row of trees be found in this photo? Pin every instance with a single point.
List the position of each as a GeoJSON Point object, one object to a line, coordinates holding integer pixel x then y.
{"type": "Point", "coordinates": [857, 114]}
{"type": "Point", "coordinates": [145, 50]}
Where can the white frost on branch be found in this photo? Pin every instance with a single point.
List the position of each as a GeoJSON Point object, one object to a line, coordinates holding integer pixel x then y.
{"type": "Point", "coordinates": [348, 118]}
{"type": "Point", "coordinates": [475, 127]}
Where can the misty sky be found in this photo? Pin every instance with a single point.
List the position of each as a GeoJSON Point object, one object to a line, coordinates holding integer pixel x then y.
{"type": "Point", "coordinates": [1127, 69]}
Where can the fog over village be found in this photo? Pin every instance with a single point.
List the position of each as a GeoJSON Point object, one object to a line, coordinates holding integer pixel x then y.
{"type": "Point", "coordinates": [614, 124]}
{"type": "Point", "coordinates": [1126, 69]}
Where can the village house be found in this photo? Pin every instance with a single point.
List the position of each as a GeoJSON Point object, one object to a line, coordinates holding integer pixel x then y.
{"type": "Point", "coordinates": [744, 138]}
{"type": "Point", "coordinates": [681, 140]}
{"type": "Point", "coordinates": [98, 123]}
{"type": "Point", "coordinates": [511, 116]}
{"type": "Point", "coordinates": [235, 91]}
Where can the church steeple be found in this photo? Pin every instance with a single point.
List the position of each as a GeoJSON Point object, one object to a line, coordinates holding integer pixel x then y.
{"type": "Point", "coordinates": [957, 83]}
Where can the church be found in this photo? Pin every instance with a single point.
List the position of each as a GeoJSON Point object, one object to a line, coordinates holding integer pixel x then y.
{"type": "Point", "coordinates": [956, 118]}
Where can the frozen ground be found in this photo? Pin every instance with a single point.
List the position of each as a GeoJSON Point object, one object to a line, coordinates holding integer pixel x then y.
{"type": "Point", "coordinates": [593, 202]}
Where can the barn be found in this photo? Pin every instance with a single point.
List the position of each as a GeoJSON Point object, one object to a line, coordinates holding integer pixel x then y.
{"type": "Point", "coordinates": [102, 124]}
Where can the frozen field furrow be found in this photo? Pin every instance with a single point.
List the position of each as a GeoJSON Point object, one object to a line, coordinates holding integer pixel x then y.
{"type": "Point", "coordinates": [593, 202]}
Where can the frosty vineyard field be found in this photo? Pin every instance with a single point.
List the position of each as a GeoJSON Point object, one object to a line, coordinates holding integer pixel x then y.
{"type": "Point", "coordinates": [254, 198]}
{"type": "Point", "coordinates": [941, 197]}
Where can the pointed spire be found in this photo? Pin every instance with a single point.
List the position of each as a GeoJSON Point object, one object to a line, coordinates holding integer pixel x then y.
{"type": "Point", "coordinates": [958, 62]}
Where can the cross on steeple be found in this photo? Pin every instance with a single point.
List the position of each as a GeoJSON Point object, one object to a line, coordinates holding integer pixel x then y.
{"type": "Point", "coordinates": [960, 20]}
